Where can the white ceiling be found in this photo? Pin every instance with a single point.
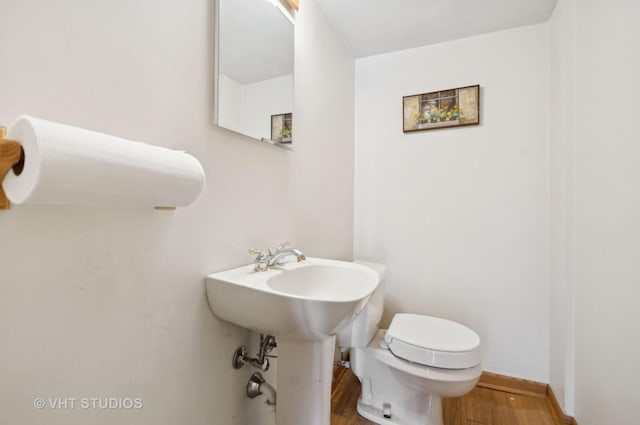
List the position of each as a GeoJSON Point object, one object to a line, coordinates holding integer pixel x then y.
{"type": "Point", "coordinates": [378, 26]}
{"type": "Point", "coordinates": [257, 41]}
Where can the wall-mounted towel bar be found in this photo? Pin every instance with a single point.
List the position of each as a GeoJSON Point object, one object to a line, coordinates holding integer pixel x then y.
{"type": "Point", "coordinates": [11, 155]}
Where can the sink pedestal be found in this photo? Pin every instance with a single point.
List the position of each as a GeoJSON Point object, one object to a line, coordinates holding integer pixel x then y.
{"type": "Point", "coordinates": [305, 371]}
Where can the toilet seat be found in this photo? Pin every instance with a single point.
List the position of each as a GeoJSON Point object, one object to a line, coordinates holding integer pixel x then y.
{"type": "Point", "coordinates": [432, 341]}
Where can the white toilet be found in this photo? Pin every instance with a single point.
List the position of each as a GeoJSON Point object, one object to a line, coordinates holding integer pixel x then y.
{"type": "Point", "coordinates": [406, 370]}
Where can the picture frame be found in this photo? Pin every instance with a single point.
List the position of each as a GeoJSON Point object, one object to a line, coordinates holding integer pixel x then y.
{"type": "Point", "coordinates": [281, 128]}
{"type": "Point", "coordinates": [440, 109]}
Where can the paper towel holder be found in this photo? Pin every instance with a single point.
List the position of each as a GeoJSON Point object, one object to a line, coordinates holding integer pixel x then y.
{"type": "Point", "coordinates": [11, 157]}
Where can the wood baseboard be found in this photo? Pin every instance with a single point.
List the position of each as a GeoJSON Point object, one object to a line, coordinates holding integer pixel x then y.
{"type": "Point", "coordinates": [556, 410]}
{"type": "Point", "coordinates": [513, 385]}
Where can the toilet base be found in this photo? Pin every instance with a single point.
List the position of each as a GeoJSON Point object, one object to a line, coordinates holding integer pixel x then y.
{"type": "Point", "coordinates": [410, 394]}
{"type": "Point", "coordinates": [433, 417]}
{"type": "Point", "coordinates": [374, 415]}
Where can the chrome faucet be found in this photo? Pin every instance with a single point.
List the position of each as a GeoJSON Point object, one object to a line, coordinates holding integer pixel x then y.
{"type": "Point", "coordinates": [273, 258]}
{"type": "Point", "coordinates": [280, 253]}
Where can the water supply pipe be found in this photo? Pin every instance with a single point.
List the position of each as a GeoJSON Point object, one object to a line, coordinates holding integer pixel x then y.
{"type": "Point", "coordinates": [255, 386]}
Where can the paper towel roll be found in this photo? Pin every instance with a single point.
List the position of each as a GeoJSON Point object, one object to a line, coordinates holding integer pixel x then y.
{"type": "Point", "coordinates": [70, 165]}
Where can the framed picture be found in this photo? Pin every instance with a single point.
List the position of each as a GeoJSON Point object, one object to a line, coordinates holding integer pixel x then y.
{"type": "Point", "coordinates": [281, 128]}
{"type": "Point", "coordinates": [441, 109]}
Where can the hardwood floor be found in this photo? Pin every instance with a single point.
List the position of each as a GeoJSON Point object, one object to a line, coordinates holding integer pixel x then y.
{"type": "Point", "coordinates": [482, 406]}
{"type": "Point", "coordinates": [345, 391]}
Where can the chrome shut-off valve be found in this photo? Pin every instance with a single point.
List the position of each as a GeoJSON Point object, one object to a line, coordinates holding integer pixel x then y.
{"type": "Point", "coordinates": [261, 361]}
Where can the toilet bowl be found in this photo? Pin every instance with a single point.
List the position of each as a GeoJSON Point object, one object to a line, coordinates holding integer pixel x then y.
{"type": "Point", "coordinates": [406, 370]}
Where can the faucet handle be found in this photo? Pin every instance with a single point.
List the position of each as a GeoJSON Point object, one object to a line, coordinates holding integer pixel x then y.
{"type": "Point", "coordinates": [261, 259]}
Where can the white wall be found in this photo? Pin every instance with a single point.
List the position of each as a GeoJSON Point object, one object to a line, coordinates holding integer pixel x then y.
{"type": "Point", "coordinates": [110, 302]}
{"type": "Point", "coordinates": [323, 127]}
{"type": "Point", "coordinates": [459, 216]}
{"type": "Point", "coordinates": [607, 197]}
{"type": "Point", "coordinates": [595, 320]}
{"type": "Point", "coordinates": [561, 225]}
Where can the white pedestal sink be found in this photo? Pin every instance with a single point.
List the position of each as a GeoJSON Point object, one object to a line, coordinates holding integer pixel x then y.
{"type": "Point", "coordinates": [303, 305]}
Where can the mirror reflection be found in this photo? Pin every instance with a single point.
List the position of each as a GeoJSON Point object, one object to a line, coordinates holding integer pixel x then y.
{"type": "Point", "coordinates": [254, 69]}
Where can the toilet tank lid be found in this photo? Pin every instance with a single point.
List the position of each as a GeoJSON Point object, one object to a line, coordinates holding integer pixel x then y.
{"type": "Point", "coordinates": [433, 341]}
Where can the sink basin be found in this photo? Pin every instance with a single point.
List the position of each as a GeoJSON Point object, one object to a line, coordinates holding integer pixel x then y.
{"type": "Point", "coordinates": [324, 282]}
{"type": "Point", "coordinates": [309, 300]}
{"type": "Point", "coordinates": [303, 305]}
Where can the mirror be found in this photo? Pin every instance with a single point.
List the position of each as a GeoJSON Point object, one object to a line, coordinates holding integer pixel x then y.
{"type": "Point", "coordinates": [254, 69]}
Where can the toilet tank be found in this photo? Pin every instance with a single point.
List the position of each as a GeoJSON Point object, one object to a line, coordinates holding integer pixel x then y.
{"type": "Point", "coordinates": [359, 332]}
